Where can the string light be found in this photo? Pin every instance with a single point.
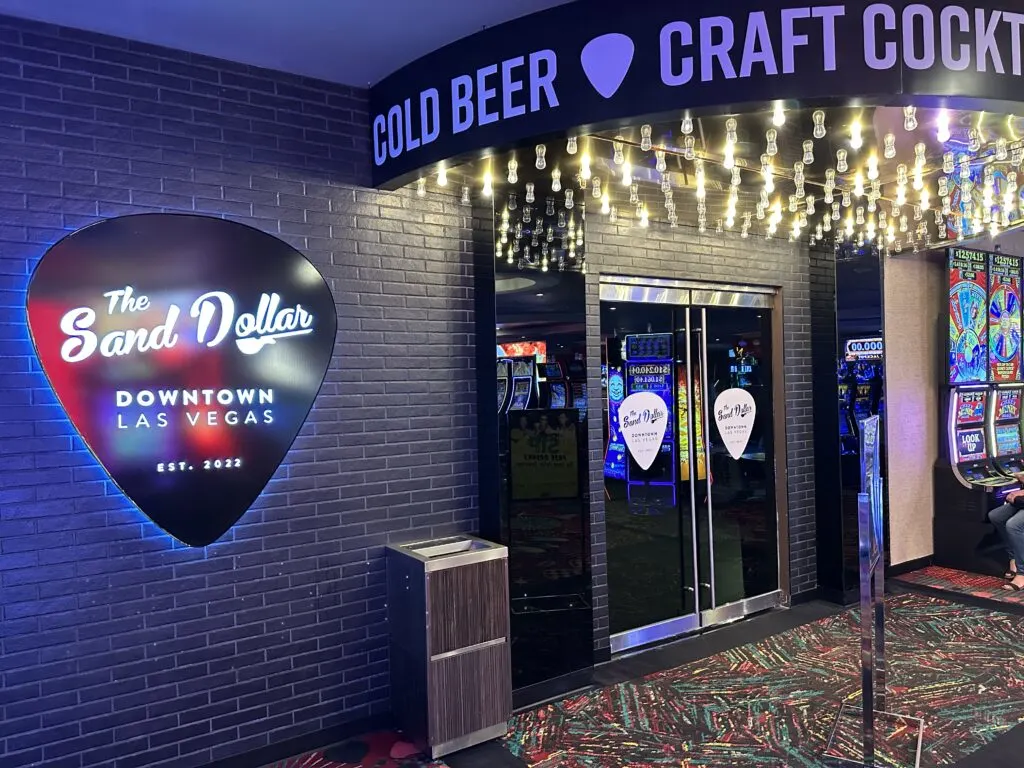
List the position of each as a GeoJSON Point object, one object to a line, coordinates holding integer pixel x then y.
{"type": "Point", "coordinates": [889, 152]}
{"type": "Point", "coordinates": [571, 145]}
{"type": "Point", "coordinates": [819, 124]}
{"type": "Point", "coordinates": [585, 166]}
{"type": "Point", "coordinates": [858, 184]}
{"type": "Point", "coordinates": [686, 126]}
{"type": "Point", "coordinates": [767, 174]}
{"type": "Point", "coordinates": [619, 153]}
{"type": "Point", "coordinates": [856, 139]}
{"type": "Point", "coordinates": [627, 174]}
{"type": "Point", "coordinates": [841, 165]}
{"type": "Point", "coordinates": [488, 189]}
{"type": "Point", "coordinates": [778, 116]}
{"type": "Point", "coordinates": [531, 193]}
{"type": "Point", "coordinates": [910, 118]}
{"type": "Point", "coordinates": [645, 138]}
{"type": "Point", "coordinates": [513, 171]}
{"type": "Point", "coordinates": [606, 204]}
{"type": "Point", "coordinates": [873, 167]}
{"type": "Point", "coordinates": [465, 195]}
{"type": "Point", "coordinates": [808, 152]}
{"type": "Point", "coordinates": [542, 153]}
{"type": "Point", "coordinates": [442, 176]}
{"type": "Point", "coordinates": [556, 180]}
{"type": "Point", "coordinates": [942, 135]}
{"type": "Point", "coordinates": [421, 187]}
{"type": "Point", "coordinates": [644, 218]}
{"type": "Point", "coordinates": [660, 164]}
{"type": "Point", "coordinates": [771, 135]}
{"type": "Point", "coordinates": [699, 172]}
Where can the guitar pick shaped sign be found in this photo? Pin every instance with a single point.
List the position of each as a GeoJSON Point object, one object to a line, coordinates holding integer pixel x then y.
{"type": "Point", "coordinates": [734, 413]}
{"type": "Point", "coordinates": [187, 351]}
{"type": "Point", "coordinates": [643, 419]}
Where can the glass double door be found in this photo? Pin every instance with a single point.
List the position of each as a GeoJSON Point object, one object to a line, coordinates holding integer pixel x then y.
{"type": "Point", "coordinates": [692, 527]}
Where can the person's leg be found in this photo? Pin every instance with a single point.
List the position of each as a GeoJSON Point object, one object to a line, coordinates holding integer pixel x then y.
{"type": "Point", "coordinates": [999, 517]}
{"type": "Point", "coordinates": [1015, 532]}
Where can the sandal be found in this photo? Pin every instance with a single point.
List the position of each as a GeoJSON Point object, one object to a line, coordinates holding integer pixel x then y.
{"type": "Point", "coordinates": [1011, 587]}
{"type": "Point", "coordinates": [1010, 575]}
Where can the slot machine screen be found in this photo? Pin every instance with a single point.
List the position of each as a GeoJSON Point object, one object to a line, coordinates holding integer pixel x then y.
{"type": "Point", "coordinates": [968, 316]}
{"type": "Point", "coordinates": [1004, 354]}
{"type": "Point", "coordinates": [970, 445]}
{"type": "Point", "coordinates": [1008, 440]}
{"type": "Point", "coordinates": [522, 368]}
{"type": "Point", "coordinates": [551, 370]}
{"type": "Point", "coordinates": [1008, 405]}
{"type": "Point", "coordinates": [970, 408]}
{"type": "Point", "coordinates": [520, 394]}
{"type": "Point", "coordinates": [558, 395]}
{"type": "Point", "coordinates": [538, 350]}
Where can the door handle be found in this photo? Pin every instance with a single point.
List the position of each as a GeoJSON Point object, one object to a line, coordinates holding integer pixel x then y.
{"type": "Point", "coordinates": [705, 585]}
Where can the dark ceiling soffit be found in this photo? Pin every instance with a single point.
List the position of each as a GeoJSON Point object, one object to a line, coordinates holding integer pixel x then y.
{"type": "Point", "coordinates": [568, 29]}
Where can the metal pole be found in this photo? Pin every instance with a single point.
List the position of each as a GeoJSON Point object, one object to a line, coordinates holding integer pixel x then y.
{"type": "Point", "coordinates": [866, 640]}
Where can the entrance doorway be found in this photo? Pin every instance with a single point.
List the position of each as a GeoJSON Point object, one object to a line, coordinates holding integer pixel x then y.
{"type": "Point", "coordinates": [693, 536]}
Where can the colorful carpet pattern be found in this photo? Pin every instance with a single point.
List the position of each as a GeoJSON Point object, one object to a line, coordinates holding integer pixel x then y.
{"type": "Point", "coordinates": [377, 749]}
{"type": "Point", "coordinates": [774, 703]}
{"type": "Point", "coordinates": [949, 580]}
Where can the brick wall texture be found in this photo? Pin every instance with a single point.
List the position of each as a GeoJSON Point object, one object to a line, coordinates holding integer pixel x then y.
{"type": "Point", "coordinates": [684, 254]}
{"type": "Point", "coordinates": [119, 647]}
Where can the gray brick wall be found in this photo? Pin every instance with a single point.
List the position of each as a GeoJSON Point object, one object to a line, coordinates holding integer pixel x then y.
{"type": "Point", "coordinates": [685, 254]}
{"type": "Point", "coordinates": [120, 648]}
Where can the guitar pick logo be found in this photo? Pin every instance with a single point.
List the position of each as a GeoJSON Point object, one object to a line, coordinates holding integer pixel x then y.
{"type": "Point", "coordinates": [187, 351]}
{"type": "Point", "coordinates": [606, 61]}
{"type": "Point", "coordinates": [643, 419]}
{"type": "Point", "coordinates": [734, 413]}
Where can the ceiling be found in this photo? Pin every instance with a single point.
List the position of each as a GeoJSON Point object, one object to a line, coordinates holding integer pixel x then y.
{"type": "Point", "coordinates": [354, 42]}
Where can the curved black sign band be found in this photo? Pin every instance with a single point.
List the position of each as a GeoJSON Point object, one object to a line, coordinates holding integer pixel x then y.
{"type": "Point", "coordinates": [596, 63]}
{"type": "Point", "coordinates": [187, 351]}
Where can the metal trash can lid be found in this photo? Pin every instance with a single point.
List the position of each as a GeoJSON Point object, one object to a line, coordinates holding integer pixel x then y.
{"type": "Point", "coordinates": [450, 551]}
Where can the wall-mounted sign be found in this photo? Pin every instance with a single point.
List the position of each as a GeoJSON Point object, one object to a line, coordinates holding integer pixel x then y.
{"type": "Point", "coordinates": [187, 352]}
{"type": "Point", "coordinates": [735, 411]}
{"type": "Point", "coordinates": [865, 349]}
{"type": "Point", "coordinates": [643, 419]}
{"type": "Point", "coordinates": [553, 71]}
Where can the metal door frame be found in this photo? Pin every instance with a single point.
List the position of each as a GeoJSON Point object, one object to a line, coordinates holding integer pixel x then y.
{"type": "Point", "coordinates": [698, 296]}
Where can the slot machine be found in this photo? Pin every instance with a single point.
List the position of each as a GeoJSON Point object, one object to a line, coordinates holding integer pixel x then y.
{"type": "Point", "coordinates": [981, 447]}
{"type": "Point", "coordinates": [649, 367]}
{"type": "Point", "coordinates": [524, 383]}
{"type": "Point", "coordinates": [504, 390]}
{"type": "Point", "coordinates": [578, 384]}
{"type": "Point", "coordinates": [1004, 430]}
{"type": "Point", "coordinates": [555, 394]}
{"type": "Point", "coordinates": [615, 453]}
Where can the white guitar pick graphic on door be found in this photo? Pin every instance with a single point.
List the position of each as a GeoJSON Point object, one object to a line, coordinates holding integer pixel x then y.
{"type": "Point", "coordinates": [643, 419]}
{"type": "Point", "coordinates": [734, 413]}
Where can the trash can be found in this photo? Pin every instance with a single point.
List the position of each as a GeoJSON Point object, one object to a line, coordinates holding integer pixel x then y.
{"type": "Point", "coordinates": [451, 667]}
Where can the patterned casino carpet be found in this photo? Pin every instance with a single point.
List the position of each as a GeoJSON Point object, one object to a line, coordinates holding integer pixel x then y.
{"type": "Point", "coordinates": [377, 750]}
{"type": "Point", "coordinates": [949, 580]}
{"type": "Point", "coordinates": [773, 703]}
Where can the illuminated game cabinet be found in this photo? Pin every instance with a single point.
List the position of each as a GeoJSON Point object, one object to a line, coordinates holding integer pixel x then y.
{"type": "Point", "coordinates": [555, 393]}
{"type": "Point", "coordinates": [524, 383]}
{"type": "Point", "coordinates": [649, 368]}
{"type": "Point", "coordinates": [981, 451]}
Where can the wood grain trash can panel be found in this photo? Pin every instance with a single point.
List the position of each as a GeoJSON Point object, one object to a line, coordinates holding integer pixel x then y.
{"type": "Point", "coordinates": [448, 608]}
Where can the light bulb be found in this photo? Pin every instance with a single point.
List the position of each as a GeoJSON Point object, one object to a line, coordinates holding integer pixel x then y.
{"type": "Point", "coordinates": [619, 154]}
{"type": "Point", "coordinates": [729, 161]}
{"type": "Point", "coordinates": [910, 118]}
{"type": "Point", "coordinates": [530, 192]}
{"type": "Point", "coordinates": [644, 219]}
{"type": "Point", "coordinates": [699, 172]}
{"type": "Point", "coordinates": [513, 201]}
{"type": "Point", "coordinates": [527, 218]}
{"type": "Point", "coordinates": [730, 130]}
{"type": "Point", "coordinates": [873, 166]}
{"type": "Point", "coordinates": [841, 165]}
{"type": "Point", "coordinates": [1001, 151]}
{"type": "Point", "coordinates": [421, 187]}
{"type": "Point", "coordinates": [556, 180]}
{"type": "Point", "coordinates": [819, 124]}
{"type": "Point", "coordinates": [947, 162]}
{"type": "Point", "coordinates": [488, 189]}
{"type": "Point", "coordinates": [860, 214]}
{"type": "Point", "coordinates": [974, 140]}
{"type": "Point", "coordinates": [660, 164]}
{"type": "Point", "coordinates": [835, 211]}
{"type": "Point", "coordinates": [585, 166]}
{"type": "Point", "coordinates": [550, 209]}
{"type": "Point", "coordinates": [901, 194]}
{"type": "Point", "coordinates": [465, 195]}
{"type": "Point", "coordinates": [736, 179]}
{"type": "Point", "coordinates": [847, 199]}
{"type": "Point", "coordinates": [627, 174]}
{"type": "Point", "coordinates": [918, 178]}
{"type": "Point", "coordinates": [568, 199]}
{"type": "Point", "coordinates": [890, 146]}
{"type": "Point", "coordinates": [442, 177]}
{"type": "Point", "coordinates": [595, 187]}
{"type": "Point", "coordinates": [919, 156]}
{"type": "Point", "coordinates": [808, 152]}
{"type": "Point", "coordinates": [858, 184]}
{"type": "Point", "coordinates": [571, 145]}
{"type": "Point", "coordinates": [613, 215]}
{"type": "Point", "coordinates": [634, 194]}
{"type": "Point", "coordinates": [925, 199]}
{"type": "Point", "coordinates": [1017, 155]}
{"type": "Point", "coordinates": [645, 138]}
{"type": "Point", "coordinates": [809, 205]}
{"type": "Point", "coordinates": [688, 150]}
{"type": "Point", "coordinates": [606, 205]}
{"type": "Point", "coordinates": [767, 174]}
{"type": "Point", "coordinates": [856, 139]}
{"type": "Point", "coordinates": [772, 137]}
{"type": "Point", "coordinates": [542, 153]}
{"type": "Point", "coordinates": [943, 186]}
{"type": "Point", "coordinates": [778, 116]}
{"type": "Point", "coordinates": [561, 219]}
{"type": "Point", "coordinates": [942, 132]}
{"type": "Point", "coordinates": [513, 171]}
{"type": "Point", "coordinates": [686, 126]}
